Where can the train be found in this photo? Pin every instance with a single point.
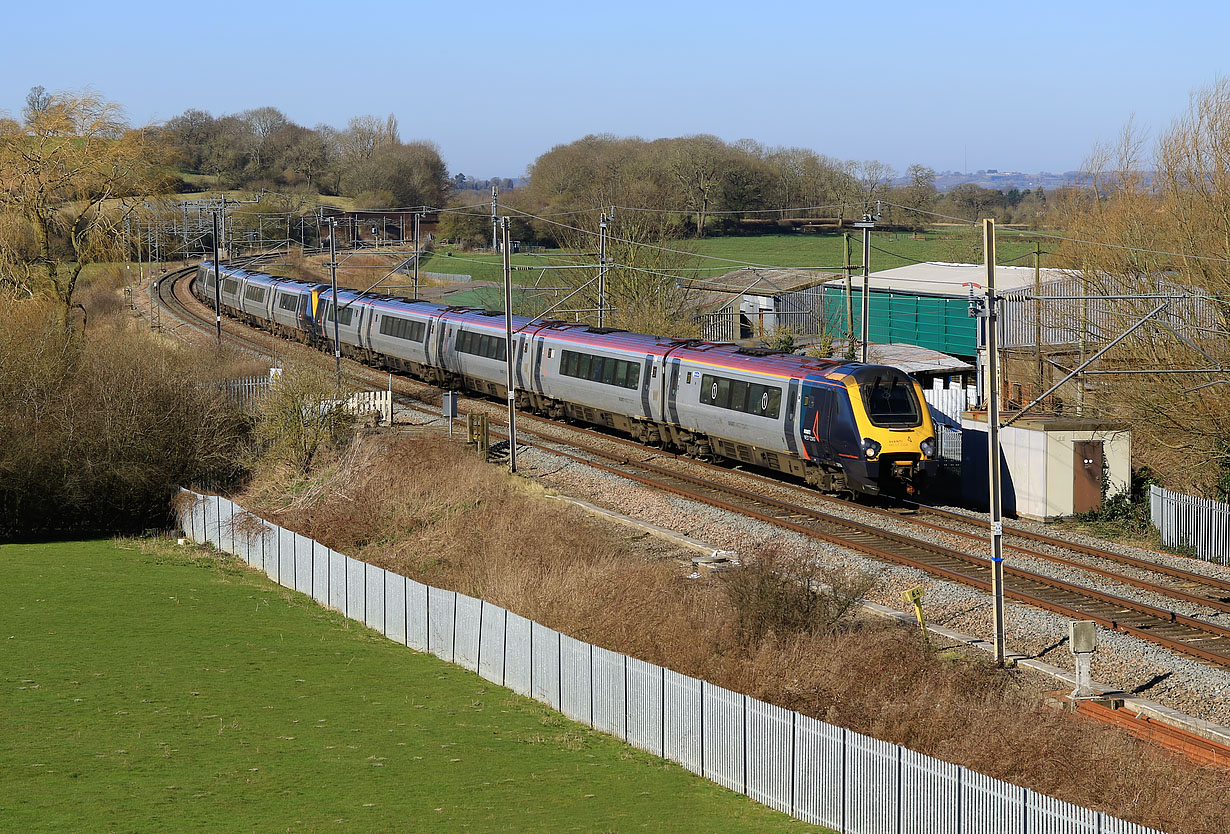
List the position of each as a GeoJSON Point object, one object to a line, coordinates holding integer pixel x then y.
{"type": "Point", "coordinates": [844, 427]}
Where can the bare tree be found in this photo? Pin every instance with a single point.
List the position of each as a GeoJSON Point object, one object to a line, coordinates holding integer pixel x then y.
{"type": "Point", "coordinates": [647, 288]}
{"type": "Point", "coordinates": [1178, 421]}
{"type": "Point", "coordinates": [63, 172]}
{"type": "Point", "coordinates": [698, 165]}
{"type": "Point", "coordinates": [873, 178]}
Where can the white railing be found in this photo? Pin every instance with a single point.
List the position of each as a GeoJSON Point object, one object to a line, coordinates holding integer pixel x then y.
{"type": "Point", "coordinates": [1186, 521]}
{"type": "Point", "coordinates": [950, 401]}
{"type": "Point", "coordinates": [456, 278]}
{"type": "Point", "coordinates": [248, 392]}
{"type": "Point", "coordinates": [817, 772]}
{"type": "Point", "coordinates": [376, 404]}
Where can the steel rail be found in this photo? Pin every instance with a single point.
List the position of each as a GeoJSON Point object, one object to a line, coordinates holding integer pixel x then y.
{"type": "Point", "coordinates": [1069, 599]}
{"type": "Point", "coordinates": [947, 563]}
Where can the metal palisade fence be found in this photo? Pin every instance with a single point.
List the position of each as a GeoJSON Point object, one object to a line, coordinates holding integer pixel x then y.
{"type": "Point", "coordinates": [1186, 521]}
{"type": "Point", "coordinates": [245, 392]}
{"type": "Point", "coordinates": [817, 772]}
{"type": "Point", "coordinates": [949, 402]}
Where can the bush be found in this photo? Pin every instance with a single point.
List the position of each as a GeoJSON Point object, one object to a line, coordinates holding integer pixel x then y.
{"type": "Point", "coordinates": [1127, 511]}
{"type": "Point", "coordinates": [300, 417]}
{"type": "Point", "coordinates": [773, 595]}
{"type": "Point", "coordinates": [101, 428]}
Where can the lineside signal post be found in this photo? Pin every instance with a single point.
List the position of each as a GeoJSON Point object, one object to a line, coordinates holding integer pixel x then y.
{"type": "Point", "coordinates": [914, 596]}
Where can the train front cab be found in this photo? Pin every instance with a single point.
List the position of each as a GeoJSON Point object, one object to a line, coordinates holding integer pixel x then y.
{"type": "Point", "coordinates": [873, 424]}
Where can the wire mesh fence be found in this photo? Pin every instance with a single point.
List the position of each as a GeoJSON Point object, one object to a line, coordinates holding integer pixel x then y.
{"type": "Point", "coordinates": [817, 772]}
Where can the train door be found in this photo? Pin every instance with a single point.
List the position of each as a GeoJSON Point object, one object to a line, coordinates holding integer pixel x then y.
{"type": "Point", "coordinates": [443, 327]}
{"type": "Point", "coordinates": [538, 351]}
{"type": "Point", "coordinates": [815, 418]}
{"type": "Point", "coordinates": [672, 392]}
{"type": "Point", "coordinates": [363, 325]}
{"type": "Point", "coordinates": [657, 387]}
{"type": "Point", "coordinates": [427, 340]}
{"type": "Point", "coordinates": [793, 400]}
{"type": "Point", "coordinates": [521, 344]}
{"type": "Point", "coordinates": [651, 392]}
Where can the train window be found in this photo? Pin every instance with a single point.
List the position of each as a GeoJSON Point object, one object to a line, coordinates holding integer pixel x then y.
{"type": "Point", "coordinates": [254, 293]}
{"type": "Point", "coordinates": [889, 398]}
{"type": "Point", "coordinates": [345, 316]}
{"type": "Point", "coordinates": [688, 380]}
{"type": "Point", "coordinates": [737, 395]}
{"type": "Point", "coordinates": [411, 331]}
{"type": "Point", "coordinates": [230, 286]}
{"type": "Point", "coordinates": [481, 344]}
{"type": "Point", "coordinates": [288, 302]}
{"type": "Point", "coordinates": [604, 369]}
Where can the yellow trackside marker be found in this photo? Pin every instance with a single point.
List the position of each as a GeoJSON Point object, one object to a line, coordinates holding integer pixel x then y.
{"type": "Point", "coordinates": [915, 597]}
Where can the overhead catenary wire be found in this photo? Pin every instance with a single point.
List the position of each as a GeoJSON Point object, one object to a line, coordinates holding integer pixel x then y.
{"type": "Point", "coordinates": [635, 243]}
{"type": "Point", "coordinates": [1050, 236]}
{"type": "Point", "coordinates": [728, 211]}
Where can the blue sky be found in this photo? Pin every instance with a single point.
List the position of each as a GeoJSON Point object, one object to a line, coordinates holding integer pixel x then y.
{"type": "Point", "coordinates": [1010, 86]}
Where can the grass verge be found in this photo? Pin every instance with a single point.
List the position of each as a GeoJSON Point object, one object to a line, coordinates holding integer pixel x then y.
{"type": "Point", "coordinates": [481, 532]}
{"type": "Point", "coordinates": [160, 688]}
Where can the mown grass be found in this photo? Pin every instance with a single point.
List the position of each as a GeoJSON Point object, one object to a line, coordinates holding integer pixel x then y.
{"type": "Point", "coordinates": [716, 255]}
{"type": "Point", "coordinates": [484, 266]}
{"type": "Point", "coordinates": [384, 501]}
{"type": "Point", "coordinates": [890, 249]}
{"type": "Point", "coordinates": [162, 689]}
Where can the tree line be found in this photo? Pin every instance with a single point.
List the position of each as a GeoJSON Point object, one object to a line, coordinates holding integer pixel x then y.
{"type": "Point", "coordinates": [1160, 213]}
{"type": "Point", "coordinates": [262, 148]}
{"type": "Point", "coordinates": [701, 185]}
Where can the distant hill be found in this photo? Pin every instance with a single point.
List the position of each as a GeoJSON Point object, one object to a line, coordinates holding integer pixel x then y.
{"type": "Point", "coordinates": [1002, 180]}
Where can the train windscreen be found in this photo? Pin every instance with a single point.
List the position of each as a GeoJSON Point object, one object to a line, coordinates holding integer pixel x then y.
{"type": "Point", "coordinates": [888, 395]}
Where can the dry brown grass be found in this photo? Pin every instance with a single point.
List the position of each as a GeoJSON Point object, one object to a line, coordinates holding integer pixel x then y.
{"type": "Point", "coordinates": [356, 271]}
{"type": "Point", "coordinates": [435, 513]}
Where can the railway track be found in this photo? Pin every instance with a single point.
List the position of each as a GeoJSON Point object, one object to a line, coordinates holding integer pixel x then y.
{"type": "Point", "coordinates": [1190, 635]}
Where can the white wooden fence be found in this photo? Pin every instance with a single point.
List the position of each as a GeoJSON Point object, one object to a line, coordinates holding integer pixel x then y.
{"type": "Point", "coordinates": [817, 772]}
{"type": "Point", "coordinates": [244, 392]}
{"type": "Point", "coordinates": [249, 391]}
{"type": "Point", "coordinates": [1186, 521]}
{"type": "Point", "coordinates": [376, 404]}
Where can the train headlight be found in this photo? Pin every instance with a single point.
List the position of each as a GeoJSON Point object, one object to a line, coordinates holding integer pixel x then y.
{"type": "Point", "coordinates": [870, 448]}
{"type": "Point", "coordinates": [928, 447]}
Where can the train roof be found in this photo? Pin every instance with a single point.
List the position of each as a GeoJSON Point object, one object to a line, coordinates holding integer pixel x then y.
{"type": "Point", "coordinates": [757, 360]}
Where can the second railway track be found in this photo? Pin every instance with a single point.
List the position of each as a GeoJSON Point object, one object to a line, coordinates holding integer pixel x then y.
{"type": "Point", "coordinates": [1179, 632]}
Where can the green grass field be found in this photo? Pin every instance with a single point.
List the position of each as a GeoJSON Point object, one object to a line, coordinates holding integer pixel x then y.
{"type": "Point", "coordinates": [487, 267]}
{"type": "Point", "coordinates": [165, 690]}
{"type": "Point", "coordinates": [716, 255]}
{"type": "Point", "coordinates": [889, 249]}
